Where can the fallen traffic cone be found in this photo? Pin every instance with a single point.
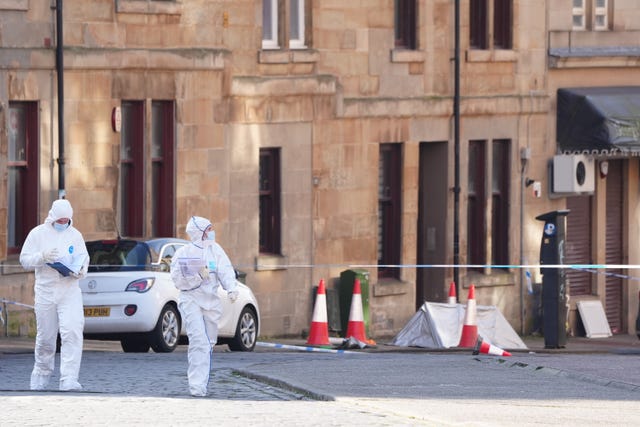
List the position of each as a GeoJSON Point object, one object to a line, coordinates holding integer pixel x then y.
{"type": "Point", "coordinates": [355, 328]}
{"type": "Point", "coordinates": [486, 348]}
{"type": "Point", "coordinates": [469, 334]}
{"type": "Point", "coordinates": [452, 294]}
{"type": "Point", "coordinates": [319, 331]}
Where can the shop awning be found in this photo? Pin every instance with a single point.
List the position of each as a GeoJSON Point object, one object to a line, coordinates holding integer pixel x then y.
{"type": "Point", "coordinates": [599, 120]}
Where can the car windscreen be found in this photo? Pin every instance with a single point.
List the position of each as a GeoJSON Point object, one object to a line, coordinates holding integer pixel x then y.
{"type": "Point", "coordinates": [118, 255]}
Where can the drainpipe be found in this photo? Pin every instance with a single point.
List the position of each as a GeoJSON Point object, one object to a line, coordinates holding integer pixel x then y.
{"type": "Point", "coordinates": [60, 74]}
{"type": "Point", "coordinates": [456, 149]}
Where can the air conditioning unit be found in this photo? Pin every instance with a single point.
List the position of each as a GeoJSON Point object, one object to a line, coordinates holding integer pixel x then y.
{"type": "Point", "coordinates": [573, 173]}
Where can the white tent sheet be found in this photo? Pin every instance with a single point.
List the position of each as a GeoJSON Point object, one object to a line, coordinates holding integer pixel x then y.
{"type": "Point", "coordinates": [439, 325]}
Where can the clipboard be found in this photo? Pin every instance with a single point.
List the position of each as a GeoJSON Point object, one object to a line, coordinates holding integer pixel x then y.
{"type": "Point", "coordinates": [190, 266]}
{"type": "Point", "coordinates": [65, 269]}
{"type": "Point", "coordinates": [62, 269]}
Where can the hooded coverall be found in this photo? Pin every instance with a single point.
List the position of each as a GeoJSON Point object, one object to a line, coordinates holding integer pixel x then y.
{"type": "Point", "coordinates": [199, 303]}
{"type": "Point", "coordinates": [58, 300]}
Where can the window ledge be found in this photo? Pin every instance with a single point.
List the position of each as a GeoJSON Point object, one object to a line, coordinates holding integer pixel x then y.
{"type": "Point", "coordinates": [498, 277]}
{"type": "Point", "coordinates": [270, 262]}
{"type": "Point", "coordinates": [14, 5]}
{"type": "Point", "coordinates": [304, 55]}
{"type": "Point", "coordinates": [275, 56]}
{"type": "Point", "coordinates": [12, 266]}
{"type": "Point", "coordinates": [594, 57]}
{"type": "Point", "coordinates": [281, 56]}
{"type": "Point", "coordinates": [386, 287]}
{"type": "Point", "coordinates": [149, 7]}
{"type": "Point", "coordinates": [407, 55]}
{"type": "Point", "coordinates": [498, 55]}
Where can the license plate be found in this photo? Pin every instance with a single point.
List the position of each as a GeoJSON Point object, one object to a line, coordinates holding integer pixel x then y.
{"type": "Point", "coordinates": [97, 311]}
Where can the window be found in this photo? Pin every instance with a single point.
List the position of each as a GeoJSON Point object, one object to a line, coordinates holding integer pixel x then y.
{"type": "Point", "coordinates": [476, 217]}
{"type": "Point", "coordinates": [491, 24]}
{"type": "Point", "coordinates": [270, 24]}
{"type": "Point", "coordinates": [132, 169]}
{"type": "Point", "coordinates": [405, 24]}
{"type": "Point", "coordinates": [477, 231]}
{"type": "Point", "coordinates": [389, 210]}
{"type": "Point", "coordinates": [137, 148]}
{"type": "Point", "coordinates": [296, 24]}
{"type": "Point", "coordinates": [590, 15]}
{"type": "Point", "coordinates": [273, 17]}
{"type": "Point", "coordinates": [600, 15]}
{"type": "Point", "coordinates": [502, 28]}
{"type": "Point", "coordinates": [579, 13]}
{"type": "Point", "coordinates": [500, 202]}
{"type": "Point", "coordinates": [269, 188]}
{"type": "Point", "coordinates": [22, 173]}
{"type": "Point", "coordinates": [162, 166]}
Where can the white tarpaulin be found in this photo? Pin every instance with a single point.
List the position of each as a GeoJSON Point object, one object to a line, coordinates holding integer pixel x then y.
{"type": "Point", "coordinates": [439, 325]}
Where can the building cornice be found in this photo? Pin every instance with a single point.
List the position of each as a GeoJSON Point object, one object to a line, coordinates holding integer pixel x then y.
{"type": "Point", "coordinates": [81, 58]}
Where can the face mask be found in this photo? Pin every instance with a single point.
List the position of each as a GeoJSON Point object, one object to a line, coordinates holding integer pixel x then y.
{"type": "Point", "coordinates": [211, 237]}
{"type": "Point", "coordinates": [60, 227]}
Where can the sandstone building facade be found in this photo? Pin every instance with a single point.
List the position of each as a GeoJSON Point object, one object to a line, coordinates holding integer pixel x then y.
{"type": "Point", "coordinates": [323, 136]}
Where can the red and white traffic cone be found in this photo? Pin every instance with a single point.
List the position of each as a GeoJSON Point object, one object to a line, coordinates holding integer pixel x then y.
{"type": "Point", "coordinates": [486, 348]}
{"type": "Point", "coordinates": [355, 328]}
{"type": "Point", "coordinates": [452, 294]}
{"type": "Point", "coordinates": [319, 330]}
{"type": "Point", "coordinates": [469, 334]}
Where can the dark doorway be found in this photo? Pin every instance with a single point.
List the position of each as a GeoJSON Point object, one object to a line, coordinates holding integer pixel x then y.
{"type": "Point", "coordinates": [614, 245]}
{"type": "Point", "coordinates": [432, 215]}
{"type": "Point", "coordinates": [578, 244]}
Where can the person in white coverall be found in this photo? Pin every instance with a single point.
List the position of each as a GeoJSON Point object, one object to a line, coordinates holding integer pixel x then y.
{"type": "Point", "coordinates": [58, 300]}
{"type": "Point", "coordinates": [199, 303]}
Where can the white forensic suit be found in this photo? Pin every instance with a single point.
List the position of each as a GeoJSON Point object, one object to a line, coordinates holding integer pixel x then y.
{"type": "Point", "coordinates": [199, 303]}
{"type": "Point", "coordinates": [58, 300]}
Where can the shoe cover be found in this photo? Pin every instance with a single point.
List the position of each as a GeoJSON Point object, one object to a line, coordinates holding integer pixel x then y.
{"type": "Point", "coordinates": [39, 382]}
{"type": "Point", "coordinates": [70, 385]}
{"type": "Point", "coordinates": [198, 392]}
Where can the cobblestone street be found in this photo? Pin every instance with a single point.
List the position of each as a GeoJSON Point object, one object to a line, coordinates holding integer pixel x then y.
{"type": "Point", "coordinates": [290, 388]}
{"type": "Point", "coordinates": [147, 374]}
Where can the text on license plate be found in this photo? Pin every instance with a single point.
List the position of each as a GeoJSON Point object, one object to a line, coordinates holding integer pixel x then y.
{"type": "Point", "coordinates": [97, 311]}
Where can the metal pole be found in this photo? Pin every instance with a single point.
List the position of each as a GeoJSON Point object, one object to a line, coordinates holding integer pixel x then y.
{"type": "Point", "coordinates": [456, 149]}
{"type": "Point", "coordinates": [523, 272]}
{"type": "Point", "coordinates": [60, 75]}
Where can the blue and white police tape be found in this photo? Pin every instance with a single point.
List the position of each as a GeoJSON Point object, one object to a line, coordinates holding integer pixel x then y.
{"type": "Point", "coordinates": [589, 268]}
{"type": "Point", "coordinates": [6, 301]}
{"type": "Point", "coordinates": [476, 266]}
{"type": "Point", "coordinates": [304, 348]}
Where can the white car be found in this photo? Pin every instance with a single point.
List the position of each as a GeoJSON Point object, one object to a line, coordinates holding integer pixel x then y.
{"type": "Point", "coordinates": [128, 295]}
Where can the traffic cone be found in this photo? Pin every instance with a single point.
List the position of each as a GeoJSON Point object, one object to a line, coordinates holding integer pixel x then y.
{"type": "Point", "coordinates": [452, 294]}
{"type": "Point", "coordinates": [469, 334]}
{"type": "Point", "coordinates": [355, 328]}
{"type": "Point", "coordinates": [319, 331]}
{"type": "Point", "coordinates": [486, 348]}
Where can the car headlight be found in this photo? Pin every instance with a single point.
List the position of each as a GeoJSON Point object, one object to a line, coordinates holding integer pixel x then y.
{"type": "Point", "coordinates": [140, 285]}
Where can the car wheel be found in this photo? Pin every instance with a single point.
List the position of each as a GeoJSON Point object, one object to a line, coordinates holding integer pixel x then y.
{"type": "Point", "coordinates": [246, 331]}
{"type": "Point", "coordinates": [164, 337]}
{"type": "Point", "coordinates": [134, 344]}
